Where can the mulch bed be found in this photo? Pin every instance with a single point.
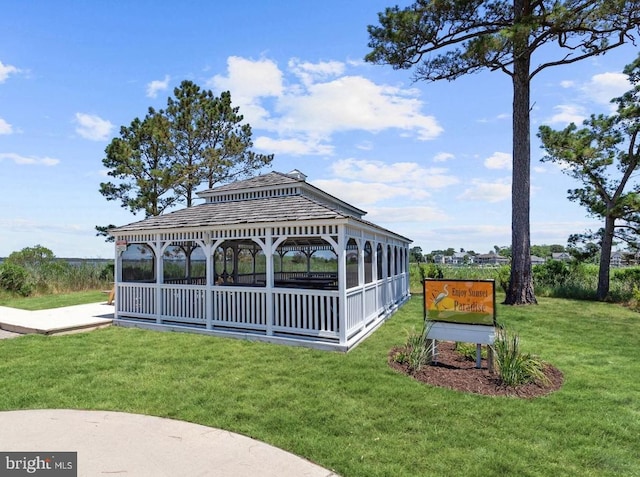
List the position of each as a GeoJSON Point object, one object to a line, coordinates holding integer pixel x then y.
{"type": "Point", "coordinates": [454, 371]}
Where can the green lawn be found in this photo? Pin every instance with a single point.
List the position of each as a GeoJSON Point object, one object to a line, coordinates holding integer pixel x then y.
{"type": "Point", "coordinates": [351, 412]}
{"type": "Point", "coordinates": [53, 301]}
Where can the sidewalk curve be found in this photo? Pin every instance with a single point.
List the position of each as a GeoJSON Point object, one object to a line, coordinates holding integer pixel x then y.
{"type": "Point", "coordinates": [115, 443]}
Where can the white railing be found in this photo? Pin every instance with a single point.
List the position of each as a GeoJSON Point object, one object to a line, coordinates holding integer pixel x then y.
{"type": "Point", "coordinates": [136, 299]}
{"type": "Point", "coordinates": [183, 303]}
{"type": "Point", "coordinates": [354, 310]}
{"type": "Point", "coordinates": [240, 307]}
{"type": "Point", "coordinates": [293, 312]}
{"type": "Point", "coordinates": [371, 306]}
{"type": "Point", "coordinates": [306, 312]}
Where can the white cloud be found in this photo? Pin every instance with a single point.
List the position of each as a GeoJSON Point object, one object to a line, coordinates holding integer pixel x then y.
{"type": "Point", "coordinates": [443, 157]}
{"type": "Point", "coordinates": [487, 191]}
{"type": "Point", "coordinates": [409, 174]}
{"type": "Point", "coordinates": [567, 84]}
{"type": "Point", "coordinates": [292, 146]}
{"type": "Point", "coordinates": [320, 99]}
{"type": "Point", "coordinates": [6, 70]}
{"type": "Point", "coordinates": [499, 160]}
{"type": "Point", "coordinates": [313, 72]}
{"type": "Point", "coordinates": [405, 214]}
{"type": "Point", "coordinates": [568, 113]}
{"type": "Point", "coordinates": [5, 127]}
{"type": "Point", "coordinates": [361, 193]}
{"type": "Point", "coordinates": [365, 146]}
{"type": "Point", "coordinates": [30, 161]}
{"type": "Point", "coordinates": [499, 117]}
{"type": "Point", "coordinates": [248, 79]}
{"type": "Point", "coordinates": [93, 127]}
{"type": "Point", "coordinates": [558, 232]}
{"type": "Point", "coordinates": [354, 103]}
{"type": "Point", "coordinates": [603, 87]}
{"type": "Point", "coordinates": [156, 86]}
{"type": "Point", "coordinates": [249, 82]}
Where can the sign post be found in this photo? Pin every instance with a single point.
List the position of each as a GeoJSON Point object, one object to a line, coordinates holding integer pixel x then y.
{"type": "Point", "coordinates": [461, 310]}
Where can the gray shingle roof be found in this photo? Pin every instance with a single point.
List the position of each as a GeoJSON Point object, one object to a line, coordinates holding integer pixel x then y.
{"type": "Point", "coordinates": [266, 180]}
{"type": "Point", "coordinates": [273, 209]}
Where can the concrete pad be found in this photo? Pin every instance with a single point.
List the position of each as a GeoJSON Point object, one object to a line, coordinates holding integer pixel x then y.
{"type": "Point", "coordinates": [136, 445]}
{"type": "Point", "coordinates": [67, 319]}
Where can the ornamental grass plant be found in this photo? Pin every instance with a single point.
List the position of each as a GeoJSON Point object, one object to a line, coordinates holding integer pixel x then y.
{"type": "Point", "coordinates": [515, 367]}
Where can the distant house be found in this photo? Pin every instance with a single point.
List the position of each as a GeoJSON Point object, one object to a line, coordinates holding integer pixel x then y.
{"type": "Point", "coordinates": [491, 259]}
{"type": "Point", "coordinates": [617, 259]}
{"type": "Point", "coordinates": [537, 260]}
{"type": "Point", "coordinates": [562, 256]}
{"type": "Point", "coordinates": [457, 259]}
{"type": "Point", "coordinates": [439, 259]}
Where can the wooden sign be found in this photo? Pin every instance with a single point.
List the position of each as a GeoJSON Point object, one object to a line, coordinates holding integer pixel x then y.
{"type": "Point", "coordinates": [470, 302]}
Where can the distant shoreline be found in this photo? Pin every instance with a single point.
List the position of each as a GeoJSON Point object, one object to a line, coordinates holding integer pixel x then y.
{"type": "Point", "coordinates": [77, 261]}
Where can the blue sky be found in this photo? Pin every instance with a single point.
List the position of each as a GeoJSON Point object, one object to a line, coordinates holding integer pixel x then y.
{"type": "Point", "coordinates": [430, 161]}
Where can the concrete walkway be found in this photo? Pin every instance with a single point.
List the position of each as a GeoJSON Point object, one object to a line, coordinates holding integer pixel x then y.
{"type": "Point", "coordinates": [113, 443]}
{"type": "Point", "coordinates": [69, 319]}
{"type": "Point", "coordinates": [132, 444]}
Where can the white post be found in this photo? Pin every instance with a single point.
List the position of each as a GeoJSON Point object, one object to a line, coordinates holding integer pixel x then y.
{"type": "Point", "coordinates": [208, 299]}
{"type": "Point", "coordinates": [117, 278]}
{"type": "Point", "coordinates": [159, 251]}
{"type": "Point", "coordinates": [362, 281]}
{"type": "Point", "coordinates": [342, 284]}
{"type": "Point", "coordinates": [268, 252]}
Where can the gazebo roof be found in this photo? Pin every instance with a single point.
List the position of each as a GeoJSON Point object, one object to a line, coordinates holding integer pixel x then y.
{"type": "Point", "coordinates": [271, 209]}
{"type": "Point", "coordinates": [262, 181]}
{"type": "Point", "coordinates": [270, 198]}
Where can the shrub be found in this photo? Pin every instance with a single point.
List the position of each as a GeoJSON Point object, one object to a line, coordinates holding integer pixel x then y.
{"type": "Point", "coordinates": [418, 351]}
{"type": "Point", "coordinates": [627, 279]}
{"type": "Point", "coordinates": [469, 351]}
{"type": "Point", "coordinates": [634, 302]}
{"type": "Point", "coordinates": [514, 367]}
{"type": "Point", "coordinates": [551, 273]}
{"type": "Point", "coordinates": [15, 279]}
{"type": "Point", "coordinates": [503, 277]}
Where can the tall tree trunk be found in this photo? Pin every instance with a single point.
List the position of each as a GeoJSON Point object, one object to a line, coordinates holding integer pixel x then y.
{"type": "Point", "coordinates": [605, 259]}
{"type": "Point", "coordinates": [520, 290]}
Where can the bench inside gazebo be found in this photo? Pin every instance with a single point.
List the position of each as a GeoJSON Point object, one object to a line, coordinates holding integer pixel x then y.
{"type": "Point", "coordinates": [269, 258]}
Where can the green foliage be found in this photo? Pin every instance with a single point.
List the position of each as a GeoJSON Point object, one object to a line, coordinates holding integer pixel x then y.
{"type": "Point", "coordinates": [629, 277]}
{"type": "Point", "coordinates": [444, 40]}
{"type": "Point", "coordinates": [430, 270]}
{"type": "Point", "coordinates": [503, 276]}
{"type": "Point", "coordinates": [143, 163]}
{"type": "Point", "coordinates": [469, 351]}
{"type": "Point", "coordinates": [416, 255]}
{"type": "Point", "coordinates": [634, 303]}
{"type": "Point", "coordinates": [210, 139]}
{"type": "Point", "coordinates": [546, 251]}
{"type": "Point", "coordinates": [551, 273]}
{"type": "Point", "coordinates": [604, 156]}
{"type": "Point", "coordinates": [418, 350]}
{"type": "Point", "coordinates": [36, 270]}
{"type": "Point", "coordinates": [160, 161]}
{"type": "Point", "coordinates": [15, 279]}
{"type": "Point", "coordinates": [31, 257]}
{"type": "Point", "coordinates": [514, 367]}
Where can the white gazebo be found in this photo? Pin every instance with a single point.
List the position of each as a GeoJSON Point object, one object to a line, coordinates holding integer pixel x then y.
{"type": "Point", "coordinates": [270, 258]}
